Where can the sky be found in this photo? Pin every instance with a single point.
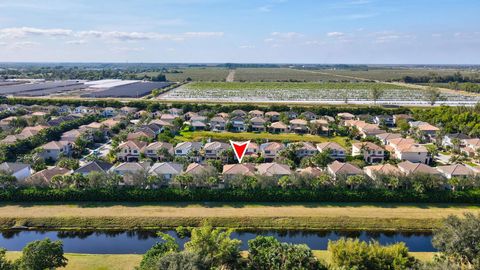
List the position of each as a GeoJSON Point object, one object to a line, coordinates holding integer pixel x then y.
{"type": "Point", "coordinates": [241, 31]}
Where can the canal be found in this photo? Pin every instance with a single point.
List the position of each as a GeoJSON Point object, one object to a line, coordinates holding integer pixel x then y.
{"type": "Point", "coordinates": [137, 242]}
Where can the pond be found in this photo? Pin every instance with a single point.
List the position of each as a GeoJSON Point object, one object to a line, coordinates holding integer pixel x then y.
{"type": "Point", "coordinates": [137, 242]}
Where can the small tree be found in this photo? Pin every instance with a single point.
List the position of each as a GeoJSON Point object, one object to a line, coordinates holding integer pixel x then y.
{"type": "Point", "coordinates": [4, 263]}
{"type": "Point", "coordinates": [154, 254]}
{"type": "Point", "coordinates": [42, 254]}
{"type": "Point", "coordinates": [376, 93]}
{"type": "Point", "coordinates": [432, 94]}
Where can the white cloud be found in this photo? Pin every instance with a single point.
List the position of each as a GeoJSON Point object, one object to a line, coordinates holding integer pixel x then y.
{"type": "Point", "coordinates": [246, 46]}
{"type": "Point", "coordinates": [23, 32]}
{"type": "Point", "coordinates": [128, 49]}
{"type": "Point", "coordinates": [266, 8]}
{"type": "Point", "coordinates": [335, 34]}
{"type": "Point", "coordinates": [18, 32]}
{"type": "Point", "coordinates": [76, 42]}
{"type": "Point", "coordinates": [286, 35]}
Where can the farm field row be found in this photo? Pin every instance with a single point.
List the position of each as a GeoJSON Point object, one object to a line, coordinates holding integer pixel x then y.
{"type": "Point", "coordinates": [385, 74]}
{"type": "Point", "coordinates": [282, 74]}
{"type": "Point", "coordinates": [306, 92]}
{"type": "Point", "coordinates": [225, 136]}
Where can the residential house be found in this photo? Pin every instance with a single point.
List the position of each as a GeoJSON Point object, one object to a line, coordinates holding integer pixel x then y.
{"type": "Point", "coordinates": [71, 135]}
{"type": "Point", "coordinates": [291, 115]}
{"type": "Point", "coordinates": [252, 150]}
{"type": "Point", "coordinates": [381, 169]}
{"type": "Point", "coordinates": [449, 139]}
{"type": "Point", "coordinates": [336, 151]}
{"type": "Point", "coordinates": [472, 147]}
{"type": "Point", "coordinates": [299, 126]}
{"type": "Point", "coordinates": [278, 127]}
{"type": "Point", "coordinates": [130, 150]}
{"type": "Point", "coordinates": [239, 113]}
{"type": "Point", "coordinates": [309, 116]}
{"type": "Point", "coordinates": [215, 150]}
{"type": "Point", "coordinates": [339, 169]}
{"type": "Point", "coordinates": [168, 118]}
{"type": "Point", "coordinates": [258, 124]}
{"type": "Point", "coordinates": [109, 112]}
{"type": "Point", "coordinates": [410, 168]}
{"type": "Point", "coordinates": [456, 170]}
{"type": "Point", "coordinates": [125, 110]}
{"type": "Point", "coordinates": [161, 123]}
{"type": "Point", "coordinates": [310, 172]}
{"type": "Point", "coordinates": [5, 122]}
{"type": "Point", "coordinates": [140, 134]}
{"type": "Point", "coordinates": [191, 149]}
{"type": "Point", "coordinates": [406, 117]}
{"type": "Point", "coordinates": [272, 116]}
{"type": "Point", "coordinates": [43, 177]}
{"type": "Point", "coordinates": [235, 170]}
{"type": "Point", "coordinates": [274, 169]}
{"type": "Point", "coordinates": [83, 110]}
{"type": "Point", "coordinates": [110, 123]}
{"type": "Point", "coordinates": [385, 119]}
{"type": "Point", "coordinates": [345, 116]}
{"type": "Point", "coordinates": [223, 115]}
{"type": "Point", "coordinates": [94, 166]}
{"type": "Point", "coordinates": [238, 123]}
{"type": "Point", "coordinates": [175, 111]}
{"type": "Point", "coordinates": [255, 113]}
{"type": "Point", "coordinates": [371, 152]}
{"type": "Point", "coordinates": [385, 137]}
{"type": "Point", "coordinates": [54, 150]}
{"type": "Point", "coordinates": [154, 150]}
{"type": "Point", "coordinates": [16, 169]}
{"type": "Point", "coordinates": [427, 130]}
{"type": "Point", "coordinates": [413, 153]}
{"type": "Point", "coordinates": [127, 168]}
{"type": "Point", "coordinates": [218, 123]}
{"type": "Point", "coordinates": [166, 170]}
{"type": "Point", "coordinates": [197, 125]}
{"type": "Point", "coordinates": [199, 169]}
{"type": "Point", "coordinates": [320, 126]}
{"type": "Point", "coordinates": [271, 150]}
{"type": "Point", "coordinates": [304, 149]}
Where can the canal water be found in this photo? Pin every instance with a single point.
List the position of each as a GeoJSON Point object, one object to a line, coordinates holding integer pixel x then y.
{"type": "Point", "coordinates": [137, 242]}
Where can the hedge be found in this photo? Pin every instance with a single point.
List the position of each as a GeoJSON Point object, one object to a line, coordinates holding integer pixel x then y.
{"type": "Point", "coordinates": [235, 195]}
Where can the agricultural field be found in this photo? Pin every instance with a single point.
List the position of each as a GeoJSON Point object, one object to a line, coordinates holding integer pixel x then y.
{"type": "Point", "coordinates": [386, 74]}
{"type": "Point", "coordinates": [198, 74]}
{"type": "Point", "coordinates": [282, 74]}
{"type": "Point", "coordinates": [310, 92]}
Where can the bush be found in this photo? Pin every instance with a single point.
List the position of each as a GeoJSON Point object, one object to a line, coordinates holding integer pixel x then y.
{"type": "Point", "coordinates": [356, 254]}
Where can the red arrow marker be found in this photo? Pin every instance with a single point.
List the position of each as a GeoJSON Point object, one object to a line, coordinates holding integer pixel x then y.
{"type": "Point", "coordinates": [239, 148]}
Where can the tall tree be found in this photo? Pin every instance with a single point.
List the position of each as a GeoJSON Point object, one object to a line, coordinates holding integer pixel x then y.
{"type": "Point", "coordinates": [432, 94]}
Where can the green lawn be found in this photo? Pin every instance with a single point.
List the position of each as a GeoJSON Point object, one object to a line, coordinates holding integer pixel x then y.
{"type": "Point", "coordinates": [225, 136]}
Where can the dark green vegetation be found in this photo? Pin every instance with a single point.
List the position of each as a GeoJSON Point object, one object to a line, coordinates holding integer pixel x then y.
{"type": "Point", "coordinates": [234, 195]}
{"type": "Point", "coordinates": [36, 255]}
{"type": "Point", "coordinates": [12, 151]}
{"type": "Point", "coordinates": [452, 119]}
{"type": "Point", "coordinates": [211, 248]}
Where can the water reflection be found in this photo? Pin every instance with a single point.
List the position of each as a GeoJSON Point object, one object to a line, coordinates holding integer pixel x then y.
{"type": "Point", "coordinates": [124, 242]}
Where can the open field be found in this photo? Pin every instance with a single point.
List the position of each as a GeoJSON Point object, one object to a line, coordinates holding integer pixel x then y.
{"type": "Point", "coordinates": [282, 74]}
{"type": "Point", "coordinates": [78, 261]}
{"type": "Point", "coordinates": [306, 92]}
{"type": "Point", "coordinates": [386, 74]}
{"type": "Point", "coordinates": [331, 216]}
{"type": "Point", "coordinates": [225, 136]}
{"type": "Point", "coordinates": [198, 74]}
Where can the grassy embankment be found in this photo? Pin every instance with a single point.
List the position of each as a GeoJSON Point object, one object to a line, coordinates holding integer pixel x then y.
{"type": "Point", "coordinates": [325, 216]}
{"type": "Point", "coordinates": [225, 136]}
{"type": "Point", "coordinates": [129, 261]}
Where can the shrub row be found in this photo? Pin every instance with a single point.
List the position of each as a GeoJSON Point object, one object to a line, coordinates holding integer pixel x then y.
{"type": "Point", "coordinates": [153, 105]}
{"type": "Point", "coordinates": [235, 195]}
